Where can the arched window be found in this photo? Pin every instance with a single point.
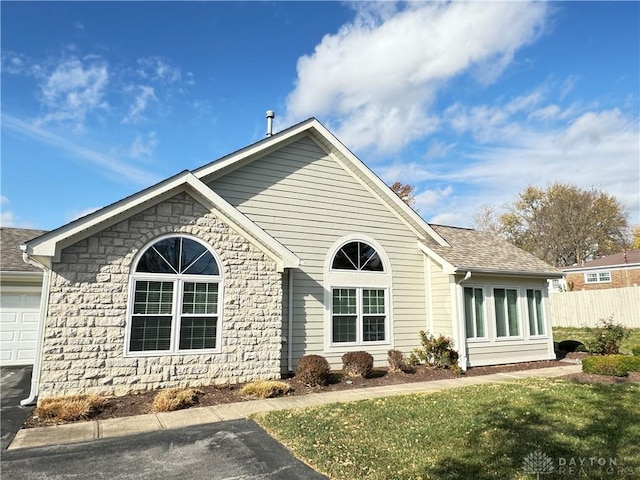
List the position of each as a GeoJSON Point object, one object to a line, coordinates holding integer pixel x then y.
{"type": "Point", "coordinates": [357, 256]}
{"type": "Point", "coordinates": [176, 288]}
{"type": "Point", "coordinates": [359, 300]}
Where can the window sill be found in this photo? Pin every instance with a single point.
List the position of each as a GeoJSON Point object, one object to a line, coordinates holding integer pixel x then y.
{"type": "Point", "coordinates": [352, 347]}
{"type": "Point", "coordinates": [166, 353]}
{"type": "Point", "coordinates": [478, 340]}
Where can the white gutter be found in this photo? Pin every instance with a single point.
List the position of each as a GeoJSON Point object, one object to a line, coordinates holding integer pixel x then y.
{"type": "Point", "coordinates": [44, 303]}
{"type": "Point", "coordinates": [290, 324]}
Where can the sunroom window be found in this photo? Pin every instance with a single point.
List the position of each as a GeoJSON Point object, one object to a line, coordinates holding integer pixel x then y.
{"type": "Point", "coordinates": [536, 313]}
{"type": "Point", "coordinates": [507, 315]}
{"type": "Point", "coordinates": [175, 298]}
{"type": "Point", "coordinates": [474, 312]}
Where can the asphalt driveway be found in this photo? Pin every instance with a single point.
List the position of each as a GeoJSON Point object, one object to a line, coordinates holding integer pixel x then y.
{"type": "Point", "coordinates": [15, 383]}
{"type": "Point", "coordinates": [234, 450]}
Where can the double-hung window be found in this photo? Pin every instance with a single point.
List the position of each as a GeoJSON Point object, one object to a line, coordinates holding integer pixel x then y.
{"type": "Point", "coordinates": [506, 309]}
{"type": "Point", "coordinates": [175, 301]}
{"type": "Point", "coordinates": [474, 312]}
{"type": "Point", "coordinates": [536, 312]}
{"type": "Point", "coordinates": [359, 309]}
{"type": "Point", "coordinates": [358, 315]}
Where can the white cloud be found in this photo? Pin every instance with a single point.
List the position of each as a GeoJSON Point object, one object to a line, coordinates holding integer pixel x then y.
{"type": "Point", "coordinates": [143, 95]}
{"type": "Point", "coordinates": [376, 78]}
{"type": "Point", "coordinates": [593, 149]}
{"type": "Point", "coordinates": [428, 199]}
{"type": "Point", "coordinates": [108, 165]}
{"type": "Point", "coordinates": [142, 146]}
{"type": "Point", "coordinates": [73, 90]}
{"type": "Point", "coordinates": [158, 69]}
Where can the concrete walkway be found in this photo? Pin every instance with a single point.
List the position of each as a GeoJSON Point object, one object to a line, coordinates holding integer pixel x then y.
{"type": "Point", "coordinates": [118, 427]}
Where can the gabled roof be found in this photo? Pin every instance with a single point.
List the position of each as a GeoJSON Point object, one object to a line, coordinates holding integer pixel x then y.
{"type": "Point", "coordinates": [481, 252]}
{"type": "Point", "coordinates": [626, 259]}
{"type": "Point", "coordinates": [49, 245]}
{"type": "Point", "coordinates": [329, 143]}
{"type": "Point", "coordinates": [10, 253]}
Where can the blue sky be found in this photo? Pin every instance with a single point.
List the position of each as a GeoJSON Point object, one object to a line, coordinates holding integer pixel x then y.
{"type": "Point", "coordinates": [470, 102]}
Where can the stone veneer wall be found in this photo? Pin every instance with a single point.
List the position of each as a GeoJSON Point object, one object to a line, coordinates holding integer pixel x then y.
{"type": "Point", "coordinates": [84, 338]}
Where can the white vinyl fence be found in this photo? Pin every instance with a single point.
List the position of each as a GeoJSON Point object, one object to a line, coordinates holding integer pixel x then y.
{"type": "Point", "coordinates": [586, 307]}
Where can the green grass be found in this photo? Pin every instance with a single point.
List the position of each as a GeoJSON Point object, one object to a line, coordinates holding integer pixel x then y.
{"type": "Point", "coordinates": [580, 334]}
{"type": "Point", "coordinates": [477, 432]}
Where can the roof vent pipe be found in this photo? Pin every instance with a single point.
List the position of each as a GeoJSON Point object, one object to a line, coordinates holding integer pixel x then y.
{"type": "Point", "coordinates": [270, 117]}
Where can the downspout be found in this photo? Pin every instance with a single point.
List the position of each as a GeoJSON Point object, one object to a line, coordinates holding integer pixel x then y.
{"type": "Point", "coordinates": [462, 327]}
{"type": "Point", "coordinates": [290, 324]}
{"type": "Point", "coordinates": [44, 303]}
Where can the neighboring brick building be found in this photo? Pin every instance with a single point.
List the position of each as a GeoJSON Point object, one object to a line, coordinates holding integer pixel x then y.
{"type": "Point", "coordinates": [614, 271]}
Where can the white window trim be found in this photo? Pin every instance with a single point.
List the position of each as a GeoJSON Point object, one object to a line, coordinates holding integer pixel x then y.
{"type": "Point", "coordinates": [544, 314]}
{"type": "Point", "coordinates": [598, 274]}
{"type": "Point", "coordinates": [358, 280]}
{"type": "Point", "coordinates": [484, 338]}
{"type": "Point", "coordinates": [519, 307]}
{"type": "Point", "coordinates": [178, 280]}
{"type": "Point", "coordinates": [360, 317]}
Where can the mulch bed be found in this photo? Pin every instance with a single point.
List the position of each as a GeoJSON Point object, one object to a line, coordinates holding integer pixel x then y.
{"type": "Point", "coordinates": [140, 403]}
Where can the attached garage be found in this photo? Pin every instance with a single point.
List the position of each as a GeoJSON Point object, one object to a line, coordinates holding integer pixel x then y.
{"type": "Point", "coordinates": [20, 292]}
{"type": "Point", "coordinates": [19, 314]}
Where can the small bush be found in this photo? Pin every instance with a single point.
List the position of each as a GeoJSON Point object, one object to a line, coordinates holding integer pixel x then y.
{"type": "Point", "coordinates": [357, 364]}
{"type": "Point", "coordinates": [70, 408]}
{"type": "Point", "coordinates": [607, 337]}
{"type": "Point", "coordinates": [265, 389]}
{"type": "Point", "coordinates": [612, 365]}
{"type": "Point", "coordinates": [436, 351]}
{"type": "Point", "coordinates": [636, 351]}
{"type": "Point", "coordinates": [175, 399]}
{"type": "Point", "coordinates": [571, 346]}
{"type": "Point", "coordinates": [397, 362]}
{"type": "Point", "coordinates": [313, 370]}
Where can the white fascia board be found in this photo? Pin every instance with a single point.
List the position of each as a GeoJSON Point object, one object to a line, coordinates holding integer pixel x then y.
{"type": "Point", "coordinates": [389, 196]}
{"type": "Point", "coordinates": [256, 150]}
{"type": "Point", "coordinates": [278, 252]}
{"type": "Point", "coordinates": [447, 268]}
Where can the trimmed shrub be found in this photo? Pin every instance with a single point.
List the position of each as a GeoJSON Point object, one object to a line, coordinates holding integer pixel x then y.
{"type": "Point", "coordinates": [313, 370]}
{"type": "Point", "coordinates": [612, 365]}
{"type": "Point", "coordinates": [571, 346]}
{"type": "Point", "coordinates": [175, 399]}
{"type": "Point", "coordinates": [397, 362]}
{"type": "Point", "coordinates": [436, 351]}
{"type": "Point", "coordinates": [357, 364]}
{"type": "Point", "coordinates": [636, 351]}
{"type": "Point", "coordinates": [265, 389]}
{"type": "Point", "coordinates": [70, 408]}
{"type": "Point", "coordinates": [607, 337]}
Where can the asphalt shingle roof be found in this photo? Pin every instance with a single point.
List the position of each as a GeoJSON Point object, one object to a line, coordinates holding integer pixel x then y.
{"type": "Point", "coordinates": [481, 251]}
{"type": "Point", "coordinates": [622, 258]}
{"type": "Point", "coordinates": [10, 253]}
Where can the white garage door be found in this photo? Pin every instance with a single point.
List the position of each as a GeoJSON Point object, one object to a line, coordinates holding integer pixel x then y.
{"type": "Point", "coordinates": [19, 314]}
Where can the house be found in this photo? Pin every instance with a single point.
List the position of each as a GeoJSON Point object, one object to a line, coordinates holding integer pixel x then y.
{"type": "Point", "coordinates": [20, 287]}
{"type": "Point", "coordinates": [290, 246]}
{"type": "Point", "coordinates": [613, 271]}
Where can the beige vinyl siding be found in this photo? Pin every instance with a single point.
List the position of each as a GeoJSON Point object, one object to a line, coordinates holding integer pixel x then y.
{"type": "Point", "coordinates": [441, 298]}
{"type": "Point", "coordinates": [305, 199]}
{"type": "Point", "coordinates": [496, 353]}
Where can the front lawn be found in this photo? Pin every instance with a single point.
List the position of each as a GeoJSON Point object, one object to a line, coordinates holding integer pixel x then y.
{"type": "Point", "coordinates": [476, 432]}
{"type": "Point", "coordinates": [581, 334]}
